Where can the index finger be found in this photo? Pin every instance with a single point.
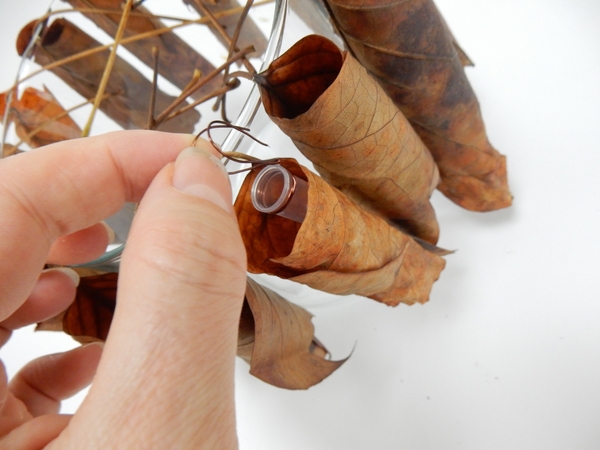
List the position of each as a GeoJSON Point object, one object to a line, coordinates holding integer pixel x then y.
{"type": "Point", "coordinates": [64, 187]}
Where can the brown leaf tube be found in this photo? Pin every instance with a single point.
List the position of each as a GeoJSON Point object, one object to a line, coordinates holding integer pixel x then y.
{"type": "Point", "coordinates": [281, 348]}
{"type": "Point", "coordinates": [177, 60]}
{"type": "Point", "coordinates": [408, 48]}
{"type": "Point", "coordinates": [275, 336]}
{"type": "Point", "coordinates": [357, 139]}
{"type": "Point", "coordinates": [128, 92]}
{"type": "Point", "coordinates": [340, 248]}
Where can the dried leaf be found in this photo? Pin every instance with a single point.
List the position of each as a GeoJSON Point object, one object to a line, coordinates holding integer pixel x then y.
{"type": "Point", "coordinates": [284, 352]}
{"type": "Point", "coordinates": [38, 117]}
{"type": "Point", "coordinates": [357, 139]}
{"type": "Point", "coordinates": [128, 91]}
{"type": "Point", "coordinates": [408, 48]}
{"type": "Point", "coordinates": [340, 248]}
{"type": "Point", "coordinates": [170, 46]}
{"type": "Point", "coordinates": [90, 315]}
{"type": "Point", "coordinates": [275, 336]}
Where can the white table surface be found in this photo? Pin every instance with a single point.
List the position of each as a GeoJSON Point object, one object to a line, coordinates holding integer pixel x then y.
{"type": "Point", "coordinates": [506, 355]}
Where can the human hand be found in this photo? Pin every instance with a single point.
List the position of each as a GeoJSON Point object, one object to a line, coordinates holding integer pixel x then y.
{"type": "Point", "coordinates": [165, 376]}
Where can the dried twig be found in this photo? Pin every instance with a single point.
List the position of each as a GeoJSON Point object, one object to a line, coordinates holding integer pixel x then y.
{"type": "Point", "coordinates": [151, 124]}
{"type": "Point", "coordinates": [109, 66]}
{"type": "Point", "coordinates": [164, 114]}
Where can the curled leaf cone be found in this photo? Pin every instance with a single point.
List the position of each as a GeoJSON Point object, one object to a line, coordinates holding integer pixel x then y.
{"type": "Point", "coordinates": [39, 118]}
{"type": "Point", "coordinates": [340, 247]}
{"type": "Point", "coordinates": [275, 336]}
{"type": "Point", "coordinates": [357, 139]}
{"type": "Point", "coordinates": [409, 50]}
{"type": "Point", "coordinates": [283, 351]}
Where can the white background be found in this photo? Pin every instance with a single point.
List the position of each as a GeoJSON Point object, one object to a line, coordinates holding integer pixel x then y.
{"type": "Point", "coordinates": [506, 355]}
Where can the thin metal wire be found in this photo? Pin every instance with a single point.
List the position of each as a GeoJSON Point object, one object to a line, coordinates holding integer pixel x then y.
{"type": "Point", "coordinates": [220, 124]}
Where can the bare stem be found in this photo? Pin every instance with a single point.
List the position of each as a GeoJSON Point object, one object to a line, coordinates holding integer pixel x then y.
{"type": "Point", "coordinates": [109, 65]}
{"type": "Point", "coordinates": [215, 93]}
{"type": "Point", "coordinates": [151, 125]}
{"type": "Point", "coordinates": [163, 115]}
{"type": "Point", "coordinates": [217, 26]}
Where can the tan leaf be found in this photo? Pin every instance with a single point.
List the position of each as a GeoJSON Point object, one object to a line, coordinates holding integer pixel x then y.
{"type": "Point", "coordinates": [284, 352]}
{"type": "Point", "coordinates": [340, 248]}
{"type": "Point", "coordinates": [357, 139]}
{"type": "Point", "coordinates": [408, 48]}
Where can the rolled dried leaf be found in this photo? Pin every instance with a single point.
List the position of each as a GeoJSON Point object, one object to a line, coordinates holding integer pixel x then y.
{"type": "Point", "coordinates": [89, 317]}
{"type": "Point", "coordinates": [250, 34]}
{"type": "Point", "coordinates": [39, 118]}
{"type": "Point", "coordinates": [357, 139]}
{"type": "Point", "coordinates": [128, 91]}
{"type": "Point", "coordinates": [177, 60]}
{"type": "Point", "coordinates": [283, 351]}
{"type": "Point", "coordinates": [408, 48]}
{"type": "Point", "coordinates": [340, 248]}
{"type": "Point", "coordinates": [275, 336]}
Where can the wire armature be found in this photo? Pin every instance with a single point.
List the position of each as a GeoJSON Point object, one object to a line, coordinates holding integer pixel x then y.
{"type": "Point", "coordinates": [237, 157]}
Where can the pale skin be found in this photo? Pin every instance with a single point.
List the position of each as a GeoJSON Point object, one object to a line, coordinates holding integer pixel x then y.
{"type": "Point", "coordinates": [164, 378]}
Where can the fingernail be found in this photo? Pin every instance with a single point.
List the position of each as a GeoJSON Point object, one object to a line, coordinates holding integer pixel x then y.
{"type": "Point", "coordinates": [195, 174]}
{"type": "Point", "coordinates": [109, 231]}
{"type": "Point", "coordinates": [96, 343]}
{"type": "Point", "coordinates": [74, 276]}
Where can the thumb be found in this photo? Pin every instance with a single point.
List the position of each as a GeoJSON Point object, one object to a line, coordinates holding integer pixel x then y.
{"type": "Point", "coordinates": [166, 375]}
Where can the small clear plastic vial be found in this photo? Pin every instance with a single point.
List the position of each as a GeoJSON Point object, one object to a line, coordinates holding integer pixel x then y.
{"type": "Point", "coordinates": [276, 191]}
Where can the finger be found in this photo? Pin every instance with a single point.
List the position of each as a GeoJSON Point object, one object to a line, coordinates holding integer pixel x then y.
{"type": "Point", "coordinates": [65, 187]}
{"type": "Point", "coordinates": [44, 382]}
{"type": "Point", "coordinates": [53, 292]}
{"type": "Point", "coordinates": [82, 246]}
{"type": "Point", "coordinates": [36, 433]}
{"type": "Point", "coordinates": [13, 412]}
{"type": "Point", "coordinates": [174, 332]}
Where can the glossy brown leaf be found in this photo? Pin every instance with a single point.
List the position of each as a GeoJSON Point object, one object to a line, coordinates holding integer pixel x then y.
{"type": "Point", "coordinates": [357, 139]}
{"type": "Point", "coordinates": [283, 351]}
{"type": "Point", "coordinates": [408, 48]}
{"type": "Point", "coordinates": [128, 92]}
{"type": "Point", "coordinates": [340, 248]}
{"type": "Point", "coordinates": [39, 118]}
